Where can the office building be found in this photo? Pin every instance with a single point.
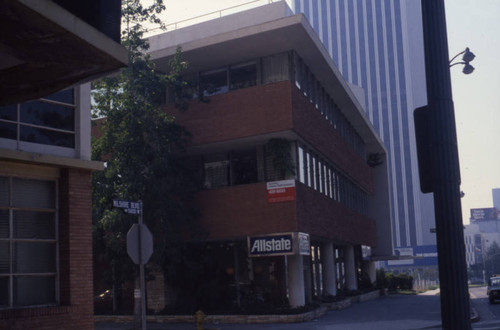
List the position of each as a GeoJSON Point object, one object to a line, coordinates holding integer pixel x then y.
{"type": "Point", "coordinates": [294, 177]}
{"type": "Point", "coordinates": [496, 197]}
{"type": "Point", "coordinates": [378, 45]}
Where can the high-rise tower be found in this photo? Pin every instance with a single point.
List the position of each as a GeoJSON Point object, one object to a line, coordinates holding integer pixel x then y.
{"type": "Point", "coordinates": [378, 45]}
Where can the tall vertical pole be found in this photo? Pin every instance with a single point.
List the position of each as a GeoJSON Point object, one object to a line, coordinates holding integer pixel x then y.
{"type": "Point", "coordinates": [141, 275]}
{"type": "Point", "coordinates": [455, 308]}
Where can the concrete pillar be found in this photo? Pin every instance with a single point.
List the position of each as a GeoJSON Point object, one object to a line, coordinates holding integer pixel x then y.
{"type": "Point", "coordinates": [350, 268]}
{"type": "Point", "coordinates": [329, 272]}
{"type": "Point", "coordinates": [370, 270]}
{"type": "Point", "coordinates": [308, 277]}
{"type": "Point", "coordinates": [317, 274]}
{"type": "Point", "coordinates": [296, 288]}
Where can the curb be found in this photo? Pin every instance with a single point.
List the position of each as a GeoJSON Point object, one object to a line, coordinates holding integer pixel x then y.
{"type": "Point", "coordinates": [246, 319]}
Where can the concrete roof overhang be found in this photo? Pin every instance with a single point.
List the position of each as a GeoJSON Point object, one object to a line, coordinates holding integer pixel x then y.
{"type": "Point", "coordinates": [44, 48]}
{"type": "Point", "coordinates": [251, 42]}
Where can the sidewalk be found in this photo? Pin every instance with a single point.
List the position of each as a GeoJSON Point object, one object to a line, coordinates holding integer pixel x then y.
{"type": "Point", "coordinates": [430, 292]}
{"type": "Point", "coordinates": [393, 312]}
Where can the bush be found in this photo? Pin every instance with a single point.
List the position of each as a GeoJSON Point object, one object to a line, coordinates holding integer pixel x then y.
{"type": "Point", "coordinates": [394, 282]}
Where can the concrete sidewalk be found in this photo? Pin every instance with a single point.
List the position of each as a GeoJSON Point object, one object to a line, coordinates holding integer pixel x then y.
{"type": "Point", "coordinates": [393, 312]}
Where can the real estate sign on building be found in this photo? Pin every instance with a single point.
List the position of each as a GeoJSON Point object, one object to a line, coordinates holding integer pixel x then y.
{"type": "Point", "coordinates": [280, 191]}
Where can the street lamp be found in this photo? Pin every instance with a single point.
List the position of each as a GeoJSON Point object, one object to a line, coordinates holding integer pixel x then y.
{"type": "Point", "coordinates": [468, 57]}
{"type": "Point", "coordinates": [439, 166]}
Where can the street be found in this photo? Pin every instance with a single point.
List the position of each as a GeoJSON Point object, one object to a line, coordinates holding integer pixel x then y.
{"type": "Point", "coordinates": [391, 312]}
{"type": "Point", "coordinates": [397, 312]}
{"type": "Point", "coordinates": [489, 314]}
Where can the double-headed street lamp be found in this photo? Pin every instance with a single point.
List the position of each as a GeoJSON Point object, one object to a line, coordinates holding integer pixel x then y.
{"type": "Point", "coordinates": [439, 167]}
{"type": "Point", "coordinates": [467, 57]}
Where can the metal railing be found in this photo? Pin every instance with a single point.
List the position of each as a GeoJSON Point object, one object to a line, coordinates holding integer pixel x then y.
{"type": "Point", "coordinates": [212, 15]}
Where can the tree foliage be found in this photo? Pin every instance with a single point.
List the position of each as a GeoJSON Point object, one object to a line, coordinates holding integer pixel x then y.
{"type": "Point", "coordinates": [492, 260]}
{"type": "Point", "coordinates": [140, 144]}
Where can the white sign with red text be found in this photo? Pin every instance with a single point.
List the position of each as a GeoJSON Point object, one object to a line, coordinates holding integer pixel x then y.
{"type": "Point", "coordinates": [280, 191]}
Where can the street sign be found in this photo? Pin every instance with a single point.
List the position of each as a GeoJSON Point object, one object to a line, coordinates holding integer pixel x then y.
{"type": "Point", "coordinates": [139, 248]}
{"type": "Point", "coordinates": [127, 206]}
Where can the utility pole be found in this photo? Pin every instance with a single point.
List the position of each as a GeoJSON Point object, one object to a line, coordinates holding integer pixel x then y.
{"type": "Point", "coordinates": [439, 168]}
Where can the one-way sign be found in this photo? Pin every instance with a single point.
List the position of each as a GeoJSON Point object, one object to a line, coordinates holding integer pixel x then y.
{"type": "Point", "coordinates": [127, 206]}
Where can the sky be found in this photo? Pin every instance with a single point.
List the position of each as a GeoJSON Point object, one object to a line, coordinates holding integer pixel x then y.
{"type": "Point", "coordinates": [476, 24]}
{"type": "Point", "coordinates": [470, 23]}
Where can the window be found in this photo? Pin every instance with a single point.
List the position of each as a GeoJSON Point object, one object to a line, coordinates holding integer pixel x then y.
{"type": "Point", "coordinates": [216, 174]}
{"type": "Point", "coordinates": [214, 82]}
{"type": "Point", "coordinates": [28, 242]}
{"type": "Point", "coordinates": [317, 173]}
{"type": "Point", "coordinates": [244, 167]}
{"type": "Point", "coordinates": [243, 76]}
{"type": "Point", "coordinates": [301, 165]}
{"type": "Point", "coordinates": [50, 120]}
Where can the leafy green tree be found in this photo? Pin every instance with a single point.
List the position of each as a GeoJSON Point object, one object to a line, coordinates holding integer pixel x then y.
{"type": "Point", "coordinates": [140, 145]}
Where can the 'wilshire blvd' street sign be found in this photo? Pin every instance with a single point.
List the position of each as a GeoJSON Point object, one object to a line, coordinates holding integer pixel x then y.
{"type": "Point", "coordinates": [128, 207]}
{"type": "Point", "coordinates": [278, 244]}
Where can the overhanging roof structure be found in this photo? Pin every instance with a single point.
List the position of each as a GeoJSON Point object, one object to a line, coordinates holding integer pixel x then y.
{"type": "Point", "coordinates": [238, 44]}
{"type": "Point", "coordinates": [45, 48]}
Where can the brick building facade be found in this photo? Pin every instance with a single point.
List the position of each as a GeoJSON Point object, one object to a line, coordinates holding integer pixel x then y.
{"type": "Point", "coordinates": [268, 79]}
{"type": "Point", "coordinates": [45, 166]}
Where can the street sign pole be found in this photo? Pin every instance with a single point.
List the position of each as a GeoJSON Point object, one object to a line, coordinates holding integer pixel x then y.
{"type": "Point", "coordinates": [139, 248]}
{"type": "Point", "coordinates": [142, 277]}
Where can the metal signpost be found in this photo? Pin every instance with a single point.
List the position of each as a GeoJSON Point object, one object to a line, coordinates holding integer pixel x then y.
{"type": "Point", "coordinates": [139, 248]}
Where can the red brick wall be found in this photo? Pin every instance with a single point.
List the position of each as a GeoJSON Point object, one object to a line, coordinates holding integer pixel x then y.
{"type": "Point", "coordinates": [266, 109]}
{"type": "Point", "coordinates": [321, 216]}
{"type": "Point", "coordinates": [242, 113]}
{"type": "Point", "coordinates": [75, 247]}
{"type": "Point", "coordinates": [243, 210]}
{"type": "Point", "coordinates": [313, 127]}
{"type": "Point", "coordinates": [235, 212]}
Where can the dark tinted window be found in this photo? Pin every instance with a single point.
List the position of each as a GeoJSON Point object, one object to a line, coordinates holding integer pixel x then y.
{"type": "Point", "coordinates": [43, 136]}
{"type": "Point", "coordinates": [244, 166]}
{"type": "Point", "coordinates": [9, 112]}
{"type": "Point", "coordinates": [243, 76]}
{"type": "Point", "coordinates": [65, 96]}
{"type": "Point", "coordinates": [214, 82]}
{"type": "Point", "coordinates": [48, 114]}
{"type": "Point", "coordinates": [8, 130]}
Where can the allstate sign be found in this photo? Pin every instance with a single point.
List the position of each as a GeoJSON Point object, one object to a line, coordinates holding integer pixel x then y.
{"type": "Point", "coordinates": [278, 244]}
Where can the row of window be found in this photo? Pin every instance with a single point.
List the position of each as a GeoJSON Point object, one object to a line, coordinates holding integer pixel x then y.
{"type": "Point", "coordinates": [239, 167]}
{"type": "Point", "coordinates": [322, 176]}
{"type": "Point", "coordinates": [255, 165]}
{"type": "Point", "coordinates": [50, 120]}
{"type": "Point", "coordinates": [270, 69]}
{"type": "Point", "coordinates": [316, 94]}
{"type": "Point", "coordinates": [220, 80]}
{"type": "Point", "coordinates": [28, 242]}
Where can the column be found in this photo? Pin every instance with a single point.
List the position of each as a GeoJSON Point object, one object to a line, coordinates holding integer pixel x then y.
{"type": "Point", "coordinates": [296, 288]}
{"type": "Point", "coordinates": [329, 273]}
{"type": "Point", "coordinates": [370, 270]}
{"type": "Point", "coordinates": [350, 268]}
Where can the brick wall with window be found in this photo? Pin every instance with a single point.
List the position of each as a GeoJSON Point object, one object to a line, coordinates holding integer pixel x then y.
{"type": "Point", "coordinates": [46, 257]}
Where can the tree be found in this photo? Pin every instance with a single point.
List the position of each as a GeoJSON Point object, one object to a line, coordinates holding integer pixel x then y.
{"type": "Point", "coordinates": [492, 260]}
{"type": "Point", "coordinates": [140, 144]}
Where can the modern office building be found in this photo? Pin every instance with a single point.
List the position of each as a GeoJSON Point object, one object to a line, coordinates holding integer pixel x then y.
{"type": "Point", "coordinates": [294, 178]}
{"type": "Point", "coordinates": [495, 192]}
{"type": "Point", "coordinates": [378, 45]}
{"type": "Point", "coordinates": [46, 49]}
{"type": "Point", "coordinates": [474, 243]}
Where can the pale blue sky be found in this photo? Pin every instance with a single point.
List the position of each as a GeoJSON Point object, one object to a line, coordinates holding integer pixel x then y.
{"type": "Point", "coordinates": [471, 23]}
{"type": "Point", "coordinates": [476, 24]}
